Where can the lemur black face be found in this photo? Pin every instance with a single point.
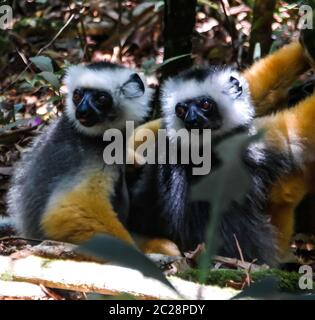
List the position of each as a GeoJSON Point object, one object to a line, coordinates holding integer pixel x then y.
{"type": "Point", "coordinates": [199, 113]}
{"type": "Point", "coordinates": [93, 106]}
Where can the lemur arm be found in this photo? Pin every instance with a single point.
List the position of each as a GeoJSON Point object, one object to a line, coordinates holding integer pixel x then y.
{"type": "Point", "coordinates": [284, 197]}
{"type": "Point", "coordinates": [271, 77]}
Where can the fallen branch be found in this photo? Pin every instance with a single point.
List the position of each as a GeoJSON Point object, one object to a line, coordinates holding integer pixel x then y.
{"type": "Point", "coordinates": [10, 290]}
{"type": "Point", "coordinates": [239, 264]}
{"type": "Point", "coordinates": [92, 277]}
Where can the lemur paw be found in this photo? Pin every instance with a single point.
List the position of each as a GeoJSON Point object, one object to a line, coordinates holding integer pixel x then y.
{"type": "Point", "coordinates": [158, 245]}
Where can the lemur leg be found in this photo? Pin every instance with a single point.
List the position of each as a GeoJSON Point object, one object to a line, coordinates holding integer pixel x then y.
{"type": "Point", "coordinates": [75, 216]}
{"type": "Point", "coordinates": [271, 77]}
{"type": "Point", "coordinates": [284, 197]}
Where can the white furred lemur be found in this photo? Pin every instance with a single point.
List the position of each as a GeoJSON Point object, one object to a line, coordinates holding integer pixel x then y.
{"type": "Point", "coordinates": [62, 189]}
{"type": "Point", "coordinates": [218, 99]}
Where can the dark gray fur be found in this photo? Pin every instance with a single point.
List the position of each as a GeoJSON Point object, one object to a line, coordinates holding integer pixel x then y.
{"type": "Point", "coordinates": [63, 156]}
{"type": "Point", "coordinates": [58, 157]}
{"type": "Point", "coordinates": [160, 208]}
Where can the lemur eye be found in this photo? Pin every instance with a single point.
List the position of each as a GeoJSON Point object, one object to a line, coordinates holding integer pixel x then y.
{"type": "Point", "coordinates": [180, 110]}
{"type": "Point", "coordinates": [207, 105]}
{"type": "Point", "coordinates": [102, 99]}
{"type": "Point", "coordinates": [77, 96]}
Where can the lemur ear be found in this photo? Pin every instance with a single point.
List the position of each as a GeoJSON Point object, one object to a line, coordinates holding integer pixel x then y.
{"type": "Point", "coordinates": [235, 88]}
{"type": "Point", "coordinates": [133, 87]}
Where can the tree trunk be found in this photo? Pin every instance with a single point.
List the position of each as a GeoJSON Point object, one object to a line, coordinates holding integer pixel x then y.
{"type": "Point", "coordinates": [179, 23]}
{"type": "Point", "coordinates": [262, 26]}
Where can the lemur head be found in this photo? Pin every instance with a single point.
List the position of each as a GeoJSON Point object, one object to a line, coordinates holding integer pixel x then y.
{"type": "Point", "coordinates": [104, 95]}
{"type": "Point", "coordinates": [215, 98]}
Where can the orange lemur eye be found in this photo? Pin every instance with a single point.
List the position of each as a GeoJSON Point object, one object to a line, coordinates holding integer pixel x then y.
{"type": "Point", "coordinates": [77, 96]}
{"type": "Point", "coordinates": [207, 105]}
{"type": "Point", "coordinates": [180, 110]}
{"type": "Point", "coordinates": [102, 99]}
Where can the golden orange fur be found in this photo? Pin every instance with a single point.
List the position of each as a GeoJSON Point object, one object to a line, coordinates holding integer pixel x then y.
{"type": "Point", "coordinates": [78, 215]}
{"type": "Point", "coordinates": [158, 245]}
{"type": "Point", "coordinates": [291, 131]}
{"type": "Point", "coordinates": [270, 78]}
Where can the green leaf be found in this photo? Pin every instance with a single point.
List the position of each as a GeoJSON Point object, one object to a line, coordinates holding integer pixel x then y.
{"type": "Point", "coordinates": [117, 251]}
{"type": "Point", "coordinates": [154, 68]}
{"type": "Point", "coordinates": [289, 7]}
{"type": "Point", "coordinates": [229, 183]}
{"type": "Point", "coordinates": [54, 99]}
{"type": "Point", "coordinates": [267, 288]}
{"type": "Point", "coordinates": [51, 78]}
{"type": "Point", "coordinates": [25, 86]}
{"type": "Point", "coordinates": [231, 180]}
{"type": "Point", "coordinates": [167, 61]}
{"type": "Point", "coordinates": [33, 82]}
{"type": "Point", "coordinates": [43, 63]}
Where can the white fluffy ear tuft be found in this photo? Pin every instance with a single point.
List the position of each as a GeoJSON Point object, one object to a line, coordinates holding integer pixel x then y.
{"type": "Point", "coordinates": [133, 87]}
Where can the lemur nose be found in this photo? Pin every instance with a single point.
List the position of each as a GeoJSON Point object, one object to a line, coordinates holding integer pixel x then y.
{"type": "Point", "coordinates": [192, 124]}
{"type": "Point", "coordinates": [81, 113]}
{"type": "Point", "coordinates": [195, 123]}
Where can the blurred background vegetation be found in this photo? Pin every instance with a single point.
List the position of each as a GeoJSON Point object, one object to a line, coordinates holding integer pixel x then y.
{"type": "Point", "coordinates": [136, 33]}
